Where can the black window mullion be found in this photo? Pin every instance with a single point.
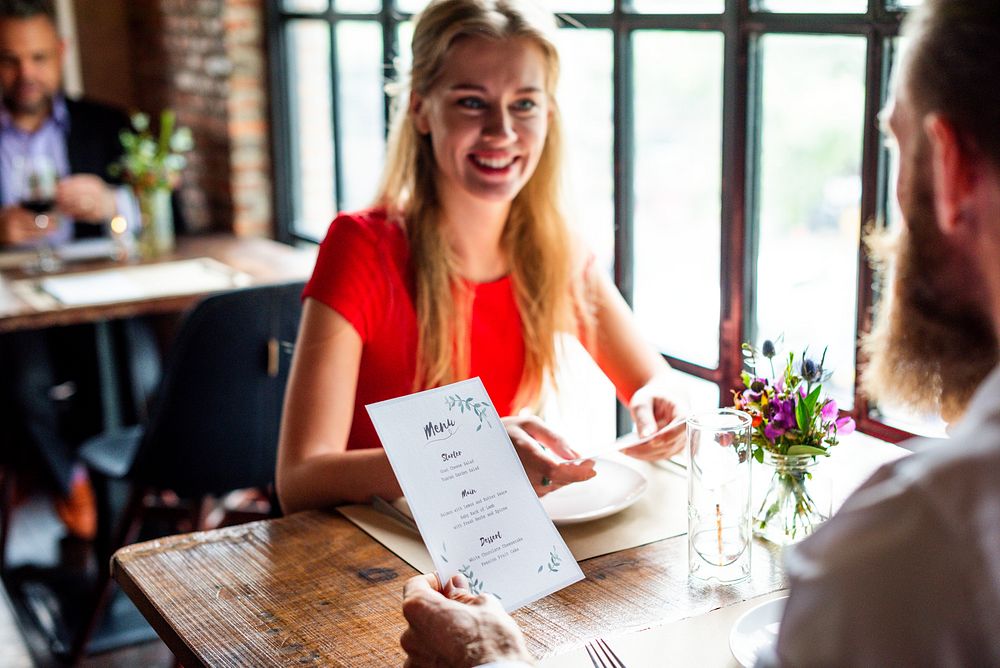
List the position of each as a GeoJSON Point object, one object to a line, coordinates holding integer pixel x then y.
{"type": "Point", "coordinates": [623, 155]}
{"type": "Point", "coordinates": [281, 133]}
{"type": "Point", "coordinates": [875, 81]}
{"type": "Point", "coordinates": [737, 192]}
{"type": "Point", "coordinates": [338, 179]}
{"type": "Point", "coordinates": [390, 51]}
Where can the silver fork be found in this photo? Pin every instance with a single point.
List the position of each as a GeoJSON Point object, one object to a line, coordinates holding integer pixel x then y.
{"type": "Point", "coordinates": [601, 655]}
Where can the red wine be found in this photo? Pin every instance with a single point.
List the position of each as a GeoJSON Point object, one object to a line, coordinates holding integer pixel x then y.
{"type": "Point", "coordinates": [39, 206]}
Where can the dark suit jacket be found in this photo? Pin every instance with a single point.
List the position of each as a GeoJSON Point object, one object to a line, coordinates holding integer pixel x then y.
{"type": "Point", "coordinates": [93, 145]}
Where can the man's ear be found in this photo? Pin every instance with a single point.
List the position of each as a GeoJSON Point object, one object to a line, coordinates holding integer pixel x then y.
{"type": "Point", "coordinates": [418, 112]}
{"type": "Point", "coordinates": [953, 172]}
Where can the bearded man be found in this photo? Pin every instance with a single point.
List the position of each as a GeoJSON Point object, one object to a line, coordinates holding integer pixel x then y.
{"type": "Point", "coordinates": [908, 571]}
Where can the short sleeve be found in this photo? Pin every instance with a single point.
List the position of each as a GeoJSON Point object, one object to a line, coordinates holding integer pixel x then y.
{"type": "Point", "coordinates": [349, 276]}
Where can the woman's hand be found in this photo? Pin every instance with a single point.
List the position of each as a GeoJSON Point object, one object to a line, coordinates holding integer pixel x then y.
{"type": "Point", "coordinates": [653, 406]}
{"type": "Point", "coordinates": [543, 453]}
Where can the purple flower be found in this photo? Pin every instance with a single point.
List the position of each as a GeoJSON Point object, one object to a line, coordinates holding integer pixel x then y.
{"type": "Point", "coordinates": [773, 431]}
{"type": "Point", "coordinates": [829, 410]}
{"type": "Point", "coordinates": [845, 426]}
{"type": "Point", "coordinates": [784, 414]}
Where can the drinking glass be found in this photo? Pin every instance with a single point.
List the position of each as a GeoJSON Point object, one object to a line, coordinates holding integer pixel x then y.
{"type": "Point", "coordinates": [36, 179]}
{"type": "Point", "coordinates": [719, 495]}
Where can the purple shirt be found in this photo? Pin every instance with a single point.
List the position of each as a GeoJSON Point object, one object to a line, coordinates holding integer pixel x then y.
{"type": "Point", "coordinates": [48, 140]}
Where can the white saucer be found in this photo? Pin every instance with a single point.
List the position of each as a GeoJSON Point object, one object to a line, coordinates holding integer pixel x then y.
{"type": "Point", "coordinates": [756, 630]}
{"type": "Point", "coordinates": [614, 488]}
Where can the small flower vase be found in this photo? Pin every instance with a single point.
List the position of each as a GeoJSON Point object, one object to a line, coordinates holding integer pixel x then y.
{"type": "Point", "coordinates": [156, 236]}
{"type": "Point", "coordinates": [793, 502]}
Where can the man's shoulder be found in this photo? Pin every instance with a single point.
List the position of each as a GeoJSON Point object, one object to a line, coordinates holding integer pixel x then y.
{"type": "Point", "coordinates": [84, 110]}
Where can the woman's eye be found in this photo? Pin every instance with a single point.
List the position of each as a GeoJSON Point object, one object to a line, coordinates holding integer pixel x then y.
{"type": "Point", "coordinates": [524, 105]}
{"type": "Point", "coordinates": [471, 103]}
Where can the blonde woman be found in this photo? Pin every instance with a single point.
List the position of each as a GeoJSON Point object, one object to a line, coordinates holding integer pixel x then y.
{"type": "Point", "coordinates": [464, 267]}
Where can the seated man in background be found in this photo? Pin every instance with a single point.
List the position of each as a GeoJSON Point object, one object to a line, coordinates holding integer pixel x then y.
{"type": "Point", "coordinates": [40, 371]}
{"type": "Point", "coordinates": [907, 572]}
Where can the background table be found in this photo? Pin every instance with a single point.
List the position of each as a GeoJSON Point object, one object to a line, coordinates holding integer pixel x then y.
{"type": "Point", "coordinates": [312, 588]}
{"type": "Point", "coordinates": [264, 261]}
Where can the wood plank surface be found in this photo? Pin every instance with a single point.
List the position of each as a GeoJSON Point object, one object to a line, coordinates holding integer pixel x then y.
{"type": "Point", "coordinates": [312, 588]}
{"type": "Point", "coordinates": [264, 260]}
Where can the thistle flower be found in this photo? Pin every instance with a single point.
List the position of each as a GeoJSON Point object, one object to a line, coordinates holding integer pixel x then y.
{"type": "Point", "coordinates": [811, 372]}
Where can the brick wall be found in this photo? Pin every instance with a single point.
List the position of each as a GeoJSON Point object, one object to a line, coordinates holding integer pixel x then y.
{"type": "Point", "coordinates": [206, 59]}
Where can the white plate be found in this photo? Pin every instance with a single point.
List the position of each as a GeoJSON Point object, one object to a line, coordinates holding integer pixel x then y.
{"type": "Point", "coordinates": [614, 488]}
{"type": "Point", "coordinates": [756, 630]}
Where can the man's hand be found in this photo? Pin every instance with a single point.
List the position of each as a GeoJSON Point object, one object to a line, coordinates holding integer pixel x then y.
{"type": "Point", "coordinates": [85, 197]}
{"type": "Point", "coordinates": [543, 454]}
{"type": "Point", "coordinates": [455, 628]}
{"type": "Point", "coordinates": [17, 226]}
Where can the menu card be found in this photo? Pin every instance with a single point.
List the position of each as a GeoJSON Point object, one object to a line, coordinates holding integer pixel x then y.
{"type": "Point", "coordinates": [477, 513]}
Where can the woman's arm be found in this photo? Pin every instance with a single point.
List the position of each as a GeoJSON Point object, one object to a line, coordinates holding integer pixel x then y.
{"type": "Point", "coordinates": [642, 379]}
{"type": "Point", "coordinates": [314, 468]}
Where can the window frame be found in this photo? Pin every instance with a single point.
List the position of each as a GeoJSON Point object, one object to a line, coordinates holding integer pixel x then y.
{"type": "Point", "coordinates": [742, 25]}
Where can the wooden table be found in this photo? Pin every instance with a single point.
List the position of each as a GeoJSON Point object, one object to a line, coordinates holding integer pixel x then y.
{"type": "Point", "coordinates": [263, 260]}
{"type": "Point", "coordinates": [314, 589]}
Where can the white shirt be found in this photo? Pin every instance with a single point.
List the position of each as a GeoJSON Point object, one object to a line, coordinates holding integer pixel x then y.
{"type": "Point", "coordinates": [908, 571]}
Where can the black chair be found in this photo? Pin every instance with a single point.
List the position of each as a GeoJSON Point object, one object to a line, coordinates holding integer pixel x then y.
{"type": "Point", "coordinates": [213, 422]}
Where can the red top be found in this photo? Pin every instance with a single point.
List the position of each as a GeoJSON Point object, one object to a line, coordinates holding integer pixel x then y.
{"type": "Point", "coordinates": [363, 273]}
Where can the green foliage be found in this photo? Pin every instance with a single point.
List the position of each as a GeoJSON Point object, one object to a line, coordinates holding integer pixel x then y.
{"type": "Point", "coordinates": [149, 161]}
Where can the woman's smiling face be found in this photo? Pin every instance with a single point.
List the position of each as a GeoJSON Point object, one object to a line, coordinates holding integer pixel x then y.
{"type": "Point", "coordinates": [487, 116]}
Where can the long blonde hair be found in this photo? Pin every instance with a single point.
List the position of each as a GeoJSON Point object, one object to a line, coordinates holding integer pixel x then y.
{"type": "Point", "coordinates": [535, 239]}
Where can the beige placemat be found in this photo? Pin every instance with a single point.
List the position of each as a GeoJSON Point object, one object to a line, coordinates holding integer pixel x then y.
{"type": "Point", "coordinates": [695, 641]}
{"type": "Point", "coordinates": [660, 513]}
{"type": "Point", "coordinates": [133, 283]}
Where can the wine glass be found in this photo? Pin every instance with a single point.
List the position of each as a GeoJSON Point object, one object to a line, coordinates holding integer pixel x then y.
{"type": "Point", "coordinates": [37, 183]}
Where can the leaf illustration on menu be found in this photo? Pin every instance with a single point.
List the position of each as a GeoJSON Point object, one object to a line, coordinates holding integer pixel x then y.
{"type": "Point", "coordinates": [555, 561]}
{"type": "Point", "coordinates": [475, 584]}
{"type": "Point", "coordinates": [480, 408]}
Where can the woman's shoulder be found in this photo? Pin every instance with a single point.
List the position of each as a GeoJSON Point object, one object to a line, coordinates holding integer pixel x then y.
{"type": "Point", "coordinates": [371, 224]}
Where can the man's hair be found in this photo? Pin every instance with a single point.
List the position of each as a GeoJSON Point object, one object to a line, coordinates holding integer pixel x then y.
{"type": "Point", "coordinates": [27, 9]}
{"type": "Point", "coordinates": [950, 68]}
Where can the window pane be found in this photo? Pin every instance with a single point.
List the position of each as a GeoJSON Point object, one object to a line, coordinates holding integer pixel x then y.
{"type": "Point", "coordinates": [311, 112]}
{"type": "Point", "coordinates": [679, 6]}
{"type": "Point", "coordinates": [411, 6]}
{"type": "Point", "coordinates": [579, 6]}
{"type": "Point", "coordinates": [678, 148]}
{"type": "Point", "coordinates": [702, 395]}
{"type": "Point", "coordinates": [404, 37]}
{"type": "Point", "coordinates": [585, 102]}
{"type": "Point", "coordinates": [360, 6]}
{"type": "Point", "coordinates": [814, 6]}
{"type": "Point", "coordinates": [809, 194]}
{"type": "Point", "coordinates": [304, 5]}
{"type": "Point", "coordinates": [362, 110]}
